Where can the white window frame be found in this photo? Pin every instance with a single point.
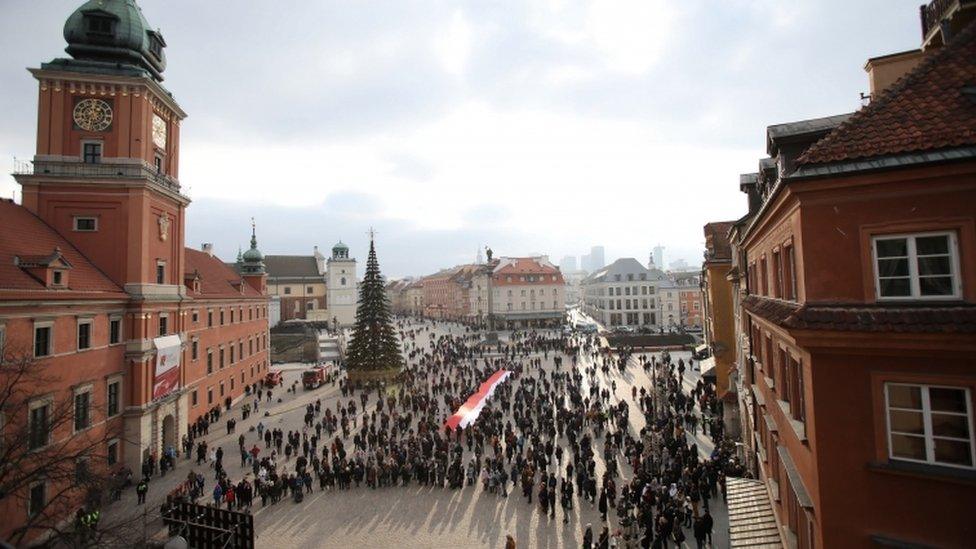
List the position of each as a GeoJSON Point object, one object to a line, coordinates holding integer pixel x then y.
{"type": "Point", "coordinates": [108, 383]}
{"type": "Point", "coordinates": [163, 317]}
{"type": "Point", "coordinates": [30, 489]}
{"type": "Point", "coordinates": [118, 455]}
{"type": "Point", "coordinates": [91, 333]}
{"type": "Point", "coordinates": [913, 278]}
{"type": "Point", "coordinates": [160, 263]}
{"type": "Point", "coordinates": [35, 403]}
{"type": "Point", "coordinates": [74, 407]}
{"type": "Point", "coordinates": [74, 223]}
{"type": "Point", "coordinates": [111, 319]}
{"type": "Point", "coordinates": [50, 339]}
{"type": "Point", "coordinates": [927, 424]}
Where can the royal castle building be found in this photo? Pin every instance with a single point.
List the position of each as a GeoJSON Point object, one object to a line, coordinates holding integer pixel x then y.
{"type": "Point", "coordinates": [129, 336]}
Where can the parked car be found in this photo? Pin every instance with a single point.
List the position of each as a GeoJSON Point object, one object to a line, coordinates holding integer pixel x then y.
{"type": "Point", "coordinates": [273, 379]}
{"type": "Point", "coordinates": [313, 378]}
{"type": "Point", "coordinates": [624, 329]}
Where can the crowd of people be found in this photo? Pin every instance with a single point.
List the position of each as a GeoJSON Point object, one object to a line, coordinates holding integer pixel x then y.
{"type": "Point", "coordinates": [558, 432]}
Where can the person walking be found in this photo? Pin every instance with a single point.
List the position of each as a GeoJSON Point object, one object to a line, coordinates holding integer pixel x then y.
{"type": "Point", "coordinates": [708, 524]}
{"type": "Point", "coordinates": [509, 542]}
{"type": "Point", "coordinates": [141, 489]}
{"type": "Point", "coordinates": [588, 537]}
{"type": "Point", "coordinates": [699, 531]}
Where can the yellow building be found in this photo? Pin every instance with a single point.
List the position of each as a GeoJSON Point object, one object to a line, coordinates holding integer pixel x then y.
{"type": "Point", "coordinates": [719, 321]}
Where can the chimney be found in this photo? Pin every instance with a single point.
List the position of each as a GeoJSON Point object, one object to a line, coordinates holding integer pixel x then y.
{"type": "Point", "coordinates": [885, 70]}
{"type": "Point", "coordinates": [207, 248]}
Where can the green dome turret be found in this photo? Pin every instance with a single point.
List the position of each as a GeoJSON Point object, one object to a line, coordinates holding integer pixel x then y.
{"type": "Point", "coordinates": [340, 251]}
{"type": "Point", "coordinates": [252, 261]}
{"type": "Point", "coordinates": [115, 32]}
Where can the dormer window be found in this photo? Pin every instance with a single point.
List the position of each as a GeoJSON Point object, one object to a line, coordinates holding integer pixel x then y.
{"type": "Point", "coordinates": [58, 279]}
{"type": "Point", "coordinates": [156, 44]}
{"type": "Point", "coordinates": [99, 24]}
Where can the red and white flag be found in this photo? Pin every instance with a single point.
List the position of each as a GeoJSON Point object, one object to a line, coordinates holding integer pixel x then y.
{"type": "Point", "coordinates": [469, 412]}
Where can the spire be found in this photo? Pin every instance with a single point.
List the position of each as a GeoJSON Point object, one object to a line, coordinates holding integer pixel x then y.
{"type": "Point", "coordinates": [253, 260]}
{"type": "Point", "coordinates": [240, 256]}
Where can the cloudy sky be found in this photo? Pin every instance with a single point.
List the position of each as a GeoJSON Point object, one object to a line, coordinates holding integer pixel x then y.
{"type": "Point", "coordinates": [546, 126]}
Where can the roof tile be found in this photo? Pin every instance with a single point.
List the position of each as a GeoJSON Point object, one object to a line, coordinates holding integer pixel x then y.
{"type": "Point", "coordinates": [925, 110]}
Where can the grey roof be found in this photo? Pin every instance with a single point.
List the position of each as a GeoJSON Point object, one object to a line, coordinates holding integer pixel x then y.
{"type": "Point", "coordinates": [623, 266]}
{"type": "Point", "coordinates": [803, 127]}
{"type": "Point", "coordinates": [748, 178]}
{"type": "Point", "coordinates": [291, 266]}
{"type": "Point", "coordinates": [885, 162]}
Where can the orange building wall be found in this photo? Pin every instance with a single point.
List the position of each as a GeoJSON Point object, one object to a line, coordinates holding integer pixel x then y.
{"type": "Point", "coordinates": [243, 371]}
{"type": "Point", "coordinates": [722, 323]}
{"type": "Point", "coordinates": [860, 499]}
{"type": "Point", "coordinates": [839, 228]}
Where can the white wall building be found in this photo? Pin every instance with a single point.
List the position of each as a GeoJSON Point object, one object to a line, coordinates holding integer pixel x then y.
{"type": "Point", "coordinates": [342, 286]}
{"type": "Point", "coordinates": [624, 293]}
{"type": "Point", "coordinates": [528, 291]}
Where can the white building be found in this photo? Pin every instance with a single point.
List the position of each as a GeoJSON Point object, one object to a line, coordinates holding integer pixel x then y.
{"type": "Point", "coordinates": [623, 293]}
{"type": "Point", "coordinates": [342, 286]}
{"type": "Point", "coordinates": [528, 291]}
{"type": "Point", "coordinates": [679, 300]}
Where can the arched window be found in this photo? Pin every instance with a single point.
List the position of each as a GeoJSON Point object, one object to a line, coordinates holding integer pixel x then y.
{"type": "Point", "coordinates": [342, 281]}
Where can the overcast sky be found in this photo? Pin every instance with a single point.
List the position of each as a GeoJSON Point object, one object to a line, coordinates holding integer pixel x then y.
{"type": "Point", "coordinates": [546, 126]}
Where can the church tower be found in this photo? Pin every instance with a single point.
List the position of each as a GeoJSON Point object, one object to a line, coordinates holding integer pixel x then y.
{"type": "Point", "coordinates": [105, 176]}
{"type": "Point", "coordinates": [252, 265]}
{"type": "Point", "coordinates": [342, 287]}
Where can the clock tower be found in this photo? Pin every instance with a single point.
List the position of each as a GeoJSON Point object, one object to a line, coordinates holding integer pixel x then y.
{"type": "Point", "coordinates": [106, 177]}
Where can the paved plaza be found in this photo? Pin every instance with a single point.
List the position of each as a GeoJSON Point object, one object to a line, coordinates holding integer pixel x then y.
{"type": "Point", "coordinates": [412, 516]}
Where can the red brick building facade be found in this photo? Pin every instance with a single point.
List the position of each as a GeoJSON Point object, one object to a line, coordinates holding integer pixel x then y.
{"type": "Point", "coordinates": [95, 283]}
{"type": "Point", "coordinates": [859, 318]}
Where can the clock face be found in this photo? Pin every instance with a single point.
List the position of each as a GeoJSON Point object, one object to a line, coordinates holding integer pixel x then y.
{"type": "Point", "coordinates": [159, 131]}
{"type": "Point", "coordinates": [93, 115]}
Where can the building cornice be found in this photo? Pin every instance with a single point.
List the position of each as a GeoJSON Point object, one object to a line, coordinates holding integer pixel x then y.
{"type": "Point", "coordinates": [105, 84]}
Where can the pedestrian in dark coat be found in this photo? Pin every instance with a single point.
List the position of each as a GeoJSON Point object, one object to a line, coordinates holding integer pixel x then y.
{"type": "Point", "coordinates": [699, 530]}
{"type": "Point", "coordinates": [707, 524]}
{"type": "Point", "coordinates": [588, 537]}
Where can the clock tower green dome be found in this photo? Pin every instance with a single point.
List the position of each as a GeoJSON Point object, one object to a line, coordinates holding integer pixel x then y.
{"type": "Point", "coordinates": [113, 34]}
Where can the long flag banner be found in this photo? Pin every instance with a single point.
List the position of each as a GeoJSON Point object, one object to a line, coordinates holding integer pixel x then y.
{"type": "Point", "coordinates": [167, 376]}
{"type": "Point", "coordinates": [469, 412]}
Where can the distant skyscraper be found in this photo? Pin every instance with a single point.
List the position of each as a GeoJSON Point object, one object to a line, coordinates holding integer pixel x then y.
{"type": "Point", "coordinates": [568, 264]}
{"type": "Point", "coordinates": [586, 263]}
{"type": "Point", "coordinates": [659, 256]}
{"type": "Point", "coordinates": [597, 260]}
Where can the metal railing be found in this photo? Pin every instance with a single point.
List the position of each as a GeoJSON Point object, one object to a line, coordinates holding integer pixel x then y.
{"type": "Point", "coordinates": [107, 170]}
{"type": "Point", "coordinates": [935, 11]}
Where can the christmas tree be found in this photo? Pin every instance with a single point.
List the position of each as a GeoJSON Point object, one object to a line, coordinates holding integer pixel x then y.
{"type": "Point", "coordinates": [374, 352]}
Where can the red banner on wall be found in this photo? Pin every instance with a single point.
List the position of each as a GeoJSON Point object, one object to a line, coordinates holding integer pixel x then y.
{"type": "Point", "coordinates": [167, 374]}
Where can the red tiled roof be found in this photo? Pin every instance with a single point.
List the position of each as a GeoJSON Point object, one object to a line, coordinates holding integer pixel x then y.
{"type": "Point", "coordinates": [865, 317]}
{"type": "Point", "coordinates": [216, 278]}
{"type": "Point", "coordinates": [527, 266]}
{"type": "Point", "coordinates": [717, 240]}
{"type": "Point", "coordinates": [925, 110]}
{"type": "Point", "coordinates": [25, 235]}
